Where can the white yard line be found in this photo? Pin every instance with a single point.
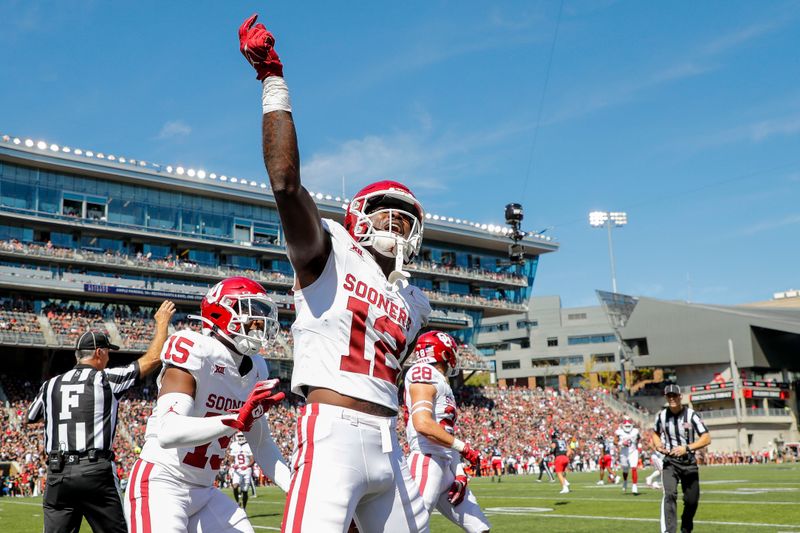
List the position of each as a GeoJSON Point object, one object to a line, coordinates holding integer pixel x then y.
{"type": "Point", "coordinates": [496, 511]}
{"type": "Point", "coordinates": [22, 503]}
{"type": "Point", "coordinates": [627, 500]}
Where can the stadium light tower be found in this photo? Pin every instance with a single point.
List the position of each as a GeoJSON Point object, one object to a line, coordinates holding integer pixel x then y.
{"type": "Point", "coordinates": [599, 219]}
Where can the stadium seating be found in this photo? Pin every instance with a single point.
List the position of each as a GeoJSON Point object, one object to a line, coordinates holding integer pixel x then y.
{"type": "Point", "coordinates": [518, 421]}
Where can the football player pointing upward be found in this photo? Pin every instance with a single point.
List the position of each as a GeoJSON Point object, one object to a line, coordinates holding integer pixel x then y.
{"type": "Point", "coordinates": [205, 376]}
{"type": "Point", "coordinates": [357, 319]}
{"type": "Point", "coordinates": [435, 462]}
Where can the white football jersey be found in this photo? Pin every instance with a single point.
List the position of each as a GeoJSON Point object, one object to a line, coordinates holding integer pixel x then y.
{"type": "Point", "coordinates": [627, 440]}
{"type": "Point", "coordinates": [219, 388]}
{"type": "Point", "coordinates": [242, 455]}
{"type": "Point", "coordinates": [353, 328]}
{"type": "Point", "coordinates": [444, 409]}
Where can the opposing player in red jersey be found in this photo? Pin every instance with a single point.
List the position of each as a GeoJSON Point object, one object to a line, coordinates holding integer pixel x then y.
{"type": "Point", "coordinates": [357, 318]}
{"type": "Point", "coordinates": [605, 461]}
{"type": "Point", "coordinates": [430, 432]}
{"type": "Point", "coordinates": [204, 377]}
{"type": "Point", "coordinates": [562, 453]}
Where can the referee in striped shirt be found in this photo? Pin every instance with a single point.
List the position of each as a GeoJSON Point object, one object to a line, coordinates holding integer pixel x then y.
{"type": "Point", "coordinates": [79, 408]}
{"type": "Point", "coordinates": [678, 433]}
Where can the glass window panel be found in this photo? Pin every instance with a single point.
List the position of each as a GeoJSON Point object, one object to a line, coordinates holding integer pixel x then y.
{"type": "Point", "coordinates": [49, 200]}
{"type": "Point", "coordinates": [161, 217]}
{"type": "Point", "coordinates": [18, 195]}
{"type": "Point", "coordinates": [155, 251]}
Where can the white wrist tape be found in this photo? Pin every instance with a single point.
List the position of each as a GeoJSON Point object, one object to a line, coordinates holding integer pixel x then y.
{"type": "Point", "coordinates": [275, 96]}
{"type": "Point", "coordinates": [176, 429]}
{"type": "Point", "coordinates": [268, 454]}
{"type": "Point", "coordinates": [458, 445]}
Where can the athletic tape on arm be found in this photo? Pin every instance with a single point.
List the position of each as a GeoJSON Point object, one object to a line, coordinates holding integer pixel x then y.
{"type": "Point", "coordinates": [275, 95]}
{"type": "Point", "coordinates": [267, 454]}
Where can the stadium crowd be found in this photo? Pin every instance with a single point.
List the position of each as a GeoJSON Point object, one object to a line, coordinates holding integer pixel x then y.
{"type": "Point", "coordinates": [518, 421]}
{"type": "Point", "coordinates": [174, 263]}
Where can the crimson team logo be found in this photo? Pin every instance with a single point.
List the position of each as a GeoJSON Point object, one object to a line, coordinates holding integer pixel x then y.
{"type": "Point", "coordinates": [446, 339]}
{"type": "Point", "coordinates": [219, 369]}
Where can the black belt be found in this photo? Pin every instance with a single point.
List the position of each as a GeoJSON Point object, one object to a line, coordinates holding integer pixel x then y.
{"type": "Point", "coordinates": [72, 458]}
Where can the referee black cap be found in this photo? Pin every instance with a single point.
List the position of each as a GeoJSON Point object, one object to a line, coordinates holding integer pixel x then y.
{"type": "Point", "coordinates": [672, 389]}
{"type": "Point", "coordinates": [92, 340]}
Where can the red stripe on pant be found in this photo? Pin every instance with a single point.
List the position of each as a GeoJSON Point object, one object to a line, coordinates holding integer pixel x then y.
{"type": "Point", "coordinates": [299, 452]}
{"type": "Point", "coordinates": [425, 463]}
{"type": "Point", "coordinates": [635, 475]}
{"type": "Point", "coordinates": [302, 490]}
{"type": "Point", "coordinates": [145, 488]}
{"type": "Point", "coordinates": [132, 494]}
{"type": "Point", "coordinates": [414, 466]}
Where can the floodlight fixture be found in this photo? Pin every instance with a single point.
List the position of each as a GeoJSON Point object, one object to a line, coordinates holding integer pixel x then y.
{"type": "Point", "coordinates": [597, 218]}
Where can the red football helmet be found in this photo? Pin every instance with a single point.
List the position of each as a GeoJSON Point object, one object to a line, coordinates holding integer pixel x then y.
{"type": "Point", "coordinates": [438, 347]}
{"type": "Point", "coordinates": [394, 199]}
{"type": "Point", "coordinates": [627, 423]}
{"type": "Point", "coordinates": [240, 310]}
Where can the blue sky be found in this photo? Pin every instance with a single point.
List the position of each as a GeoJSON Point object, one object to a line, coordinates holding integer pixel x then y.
{"type": "Point", "coordinates": [684, 114]}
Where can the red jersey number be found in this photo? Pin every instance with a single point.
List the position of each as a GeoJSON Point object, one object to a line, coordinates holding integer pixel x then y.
{"type": "Point", "coordinates": [421, 373]}
{"type": "Point", "coordinates": [178, 350]}
{"type": "Point", "coordinates": [199, 458]}
{"type": "Point", "coordinates": [355, 361]}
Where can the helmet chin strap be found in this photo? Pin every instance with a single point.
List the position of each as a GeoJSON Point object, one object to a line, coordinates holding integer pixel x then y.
{"type": "Point", "coordinates": [399, 277]}
{"type": "Point", "coordinates": [389, 245]}
{"type": "Point", "coordinates": [246, 346]}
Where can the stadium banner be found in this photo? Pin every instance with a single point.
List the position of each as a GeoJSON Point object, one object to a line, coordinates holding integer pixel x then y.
{"type": "Point", "coordinates": [708, 396]}
{"type": "Point", "coordinates": [133, 291]}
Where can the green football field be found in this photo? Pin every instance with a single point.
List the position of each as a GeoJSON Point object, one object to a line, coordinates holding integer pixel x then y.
{"type": "Point", "coordinates": [749, 499]}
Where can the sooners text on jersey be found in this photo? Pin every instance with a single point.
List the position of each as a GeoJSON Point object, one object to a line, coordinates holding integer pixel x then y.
{"type": "Point", "coordinates": [219, 388]}
{"type": "Point", "coordinates": [353, 327]}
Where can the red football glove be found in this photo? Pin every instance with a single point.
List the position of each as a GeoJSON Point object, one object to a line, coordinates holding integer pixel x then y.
{"type": "Point", "coordinates": [472, 456]}
{"type": "Point", "coordinates": [256, 45]}
{"type": "Point", "coordinates": [457, 490]}
{"type": "Point", "coordinates": [260, 399]}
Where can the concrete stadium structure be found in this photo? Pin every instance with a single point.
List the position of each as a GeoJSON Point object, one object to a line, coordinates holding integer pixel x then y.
{"type": "Point", "coordinates": [87, 229]}
{"type": "Point", "coordinates": [738, 365]}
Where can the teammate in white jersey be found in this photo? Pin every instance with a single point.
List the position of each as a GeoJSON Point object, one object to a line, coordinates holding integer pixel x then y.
{"type": "Point", "coordinates": [357, 318]}
{"type": "Point", "coordinates": [434, 459]}
{"type": "Point", "coordinates": [241, 469]}
{"type": "Point", "coordinates": [205, 376]}
{"type": "Point", "coordinates": [657, 462]}
{"type": "Point", "coordinates": [627, 439]}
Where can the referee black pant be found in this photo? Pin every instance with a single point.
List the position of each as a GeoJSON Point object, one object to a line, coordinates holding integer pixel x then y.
{"type": "Point", "coordinates": [687, 475]}
{"type": "Point", "coordinates": [543, 469]}
{"type": "Point", "coordinates": [83, 490]}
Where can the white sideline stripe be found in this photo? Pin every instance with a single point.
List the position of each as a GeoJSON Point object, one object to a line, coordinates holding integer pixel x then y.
{"type": "Point", "coordinates": [638, 500]}
{"type": "Point", "coordinates": [24, 503]}
{"type": "Point", "coordinates": [630, 519]}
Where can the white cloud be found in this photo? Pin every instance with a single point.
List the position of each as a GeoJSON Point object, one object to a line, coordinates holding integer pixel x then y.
{"type": "Point", "coordinates": [422, 158]}
{"type": "Point", "coordinates": [766, 225]}
{"type": "Point", "coordinates": [173, 129]}
{"type": "Point", "coordinates": [736, 38]}
{"type": "Point", "coordinates": [697, 61]}
{"type": "Point", "coordinates": [754, 132]}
